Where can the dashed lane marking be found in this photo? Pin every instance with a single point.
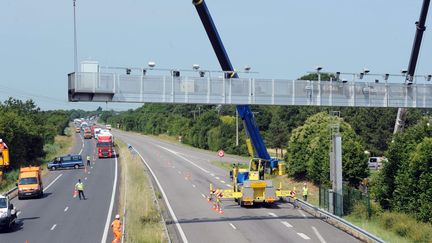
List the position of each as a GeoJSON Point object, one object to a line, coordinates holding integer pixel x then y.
{"type": "Point", "coordinates": [304, 236]}
{"type": "Point", "coordinates": [203, 195]}
{"type": "Point", "coordinates": [193, 185]}
{"type": "Point", "coordinates": [217, 178]}
{"type": "Point", "coordinates": [321, 239]}
{"type": "Point", "coordinates": [179, 172]}
{"type": "Point", "coordinates": [85, 178]}
{"type": "Point", "coordinates": [212, 174]}
{"type": "Point", "coordinates": [66, 209]}
{"type": "Point", "coordinates": [223, 182]}
{"type": "Point", "coordinates": [273, 215]}
{"type": "Point", "coordinates": [228, 185]}
{"type": "Point", "coordinates": [53, 227]}
{"type": "Point", "coordinates": [46, 188]}
{"type": "Point", "coordinates": [286, 224]}
{"type": "Point", "coordinates": [233, 226]}
{"type": "Point", "coordinates": [19, 212]}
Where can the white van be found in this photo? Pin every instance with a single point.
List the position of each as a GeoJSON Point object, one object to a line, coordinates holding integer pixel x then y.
{"type": "Point", "coordinates": [375, 162]}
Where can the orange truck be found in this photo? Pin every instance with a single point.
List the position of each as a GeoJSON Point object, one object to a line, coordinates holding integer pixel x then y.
{"type": "Point", "coordinates": [30, 182]}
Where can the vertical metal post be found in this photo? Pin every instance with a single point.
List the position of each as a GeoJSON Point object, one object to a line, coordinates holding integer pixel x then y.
{"type": "Point", "coordinates": [186, 82]}
{"type": "Point", "coordinates": [208, 88]}
{"type": "Point", "coordinates": [172, 89]}
{"type": "Point", "coordinates": [224, 90]}
{"type": "Point", "coordinates": [164, 89]}
{"type": "Point", "coordinates": [237, 129]}
{"type": "Point", "coordinates": [75, 39]}
{"type": "Point", "coordinates": [293, 92]}
{"type": "Point", "coordinates": [273, 92]}
{"type": "Point", "coordinates": [141, 88]}
{"type": "Point", "coordinates": [353, 90]}
{"type": "Point", "coordinates": [319, 88]}
{"type": "Point", "coordinates": [331, 92]}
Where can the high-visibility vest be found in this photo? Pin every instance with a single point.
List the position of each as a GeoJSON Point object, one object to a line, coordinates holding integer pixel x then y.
{"type": "Point", "coordinates": [79, 186]}
{"type": "Point", "coordinates": [305, 191]}
{"type": "Point", "coordinates": [88, 157]}
{"type": "Point", "coordinates": [116, 225]}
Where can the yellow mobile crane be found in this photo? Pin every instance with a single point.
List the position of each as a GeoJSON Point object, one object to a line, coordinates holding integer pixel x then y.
{"type": "Point", "coordinates": [250, 187]}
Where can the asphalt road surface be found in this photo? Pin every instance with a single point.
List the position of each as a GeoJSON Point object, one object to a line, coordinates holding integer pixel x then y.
{"type": "Point", "coordinates": [58, 216]}
{"type": "Point", "coordinates": [185, 173]}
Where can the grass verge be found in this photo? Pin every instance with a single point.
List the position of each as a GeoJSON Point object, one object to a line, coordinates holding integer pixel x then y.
{"type": "Point", "coordinates": [62, 145]}
{"type": "Point", "coordinates": [143, 218]}
{"type": "Point", "coordinates": [391, 226]}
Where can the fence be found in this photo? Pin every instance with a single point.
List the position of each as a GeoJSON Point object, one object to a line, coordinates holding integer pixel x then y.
{"type": "Point", "coordinates": [351, 197]}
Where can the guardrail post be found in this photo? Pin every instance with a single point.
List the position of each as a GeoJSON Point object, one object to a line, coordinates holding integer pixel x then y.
{"type": "Point", "coordinates": [273, 92]}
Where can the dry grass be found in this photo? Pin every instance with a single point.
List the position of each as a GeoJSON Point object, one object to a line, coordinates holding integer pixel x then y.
{"type": "Point", "coordinates": [143, 219]}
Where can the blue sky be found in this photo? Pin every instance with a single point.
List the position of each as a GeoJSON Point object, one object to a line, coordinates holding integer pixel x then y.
{"type": "Point", "coordinates": [278, 39]}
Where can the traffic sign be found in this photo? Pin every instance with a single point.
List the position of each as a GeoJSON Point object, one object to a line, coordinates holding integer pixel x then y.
{"type": "Point", "coordinates": [221, 153]}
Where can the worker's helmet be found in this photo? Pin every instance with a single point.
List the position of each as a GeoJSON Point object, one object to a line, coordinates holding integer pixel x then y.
{"type": "Point", "coordinates": [117, 216]}
{"type": "Point", "coordinates": [1, 140]}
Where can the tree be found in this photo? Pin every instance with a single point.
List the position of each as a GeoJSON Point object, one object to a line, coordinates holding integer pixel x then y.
{"type": "Point", "coordinates": [309, 147]}
{"type": "Point", "coordinates": [277, 136]}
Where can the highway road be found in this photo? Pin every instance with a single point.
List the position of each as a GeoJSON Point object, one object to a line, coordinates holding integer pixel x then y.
{"type": "Point", "coordinates": [58, 216]}
{"type": "Point", "coordinates": [184, 174]}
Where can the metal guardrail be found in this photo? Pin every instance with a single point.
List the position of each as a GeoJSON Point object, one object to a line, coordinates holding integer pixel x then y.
{"type": "Point", "coordinates": [10, 191]}
{"type": "Point", "coordinates": [339, 222]}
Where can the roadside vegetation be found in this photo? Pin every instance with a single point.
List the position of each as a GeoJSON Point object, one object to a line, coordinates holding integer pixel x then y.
{"type": "Point", "coordinates": [32, 136]}
{"type": "Point", "coordinates": [143, 220]}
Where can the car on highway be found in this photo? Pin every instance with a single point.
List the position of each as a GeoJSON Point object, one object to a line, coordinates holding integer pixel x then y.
{"type": "Point", "coordinates": [7, 213]}
{"type": "Point", "coordinates": [66, 161]}
{"type": "Point", "coordinates": [375, 162]}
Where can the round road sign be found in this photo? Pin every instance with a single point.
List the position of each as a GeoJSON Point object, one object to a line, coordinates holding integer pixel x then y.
{"type": "Point", "coordinates": [221, 153]}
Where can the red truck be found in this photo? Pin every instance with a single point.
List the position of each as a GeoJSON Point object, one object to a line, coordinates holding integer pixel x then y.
{"type": "Point", "coordinates": [105, 146]}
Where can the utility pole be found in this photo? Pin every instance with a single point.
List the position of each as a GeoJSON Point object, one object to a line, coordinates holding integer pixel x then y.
{"type": "Point", "coordinates": [75, 40]}
{"type": "Point", "coordinates": [420, 28]}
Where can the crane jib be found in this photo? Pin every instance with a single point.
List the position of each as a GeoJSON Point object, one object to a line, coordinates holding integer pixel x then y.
{"type": "Point", "coordinates": [244, 110]}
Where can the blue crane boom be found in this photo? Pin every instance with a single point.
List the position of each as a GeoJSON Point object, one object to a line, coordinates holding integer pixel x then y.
{"type": "Point", "coordinates": [244, 111]}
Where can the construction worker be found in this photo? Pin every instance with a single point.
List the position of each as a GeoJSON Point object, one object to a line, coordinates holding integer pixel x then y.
{"type": "Point", "coordinates": [305, 192]}
{"type": "Point", "coordinates": [294, 196]}
{"type": "Point", "coordinates": [117, 229]}
{"type": "Point", "coordinates": [2, 145]}
{"type": "Point", "coordinates": [219, 202]}
{"type": "Point", "coordinates": [88, 160]}
{"type": "Point", "coordinates": [80, 188]}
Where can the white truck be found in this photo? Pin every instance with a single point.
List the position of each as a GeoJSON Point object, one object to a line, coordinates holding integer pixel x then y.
{"type": "Point", "coordinates": [7, 213]}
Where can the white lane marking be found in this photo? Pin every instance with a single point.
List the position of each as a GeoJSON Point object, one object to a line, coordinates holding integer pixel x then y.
{"type": "Point", "coordinates": [82, 147]}
{"type": "Point", "coordinates": [321, 239]}
{"type": "Point", "coordinates": [286, 224]}
{"type": "Point", "coordinates": [273, 215]}
{"type": "Point", "coordinates": [108, 220]}
{"type": "Point", "coordinates": [176, 153]}
{"type": "Point", "coordinates": [179, 172]}
{"type": "Point", "coordinates": [228, 185]}
{"type": "Point", "coordinates": [223, 182]}
{"type": "Point", "coordinates": [91, 167]}
{"type": "Point", "coordinates": [66, 209]}
{"type": "Point", "coordinates": [89, 172]}
{"type": "Point", "coordinates": [301, 212]}
{"type": "Point", "coordinates": [53, 227]}
{"type": "Point", "coordinates": [203, 195]}
{"type": "Point", "coordinates": [173, 216]}
{"type": "Point", "coordinates": [217, 178]}
{"type": "Point", "coordinates": [18, 213]}
{"type": "Point", "coordinates": [212, 174]}
{"type": "Point", "coordinates": [46, 188]}
{"type": "Point", "coordinates": [193, 185]}
{"type": "Point", "coordinates": [85, 178]}
{"type": "Point", "coordinates": [303, 236]}
{"type": "Point", "coordinates": [233, 226]}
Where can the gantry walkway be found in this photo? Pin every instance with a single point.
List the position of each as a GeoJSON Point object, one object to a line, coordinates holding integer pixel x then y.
{"type": "Point", "coordinates": [114, 87]}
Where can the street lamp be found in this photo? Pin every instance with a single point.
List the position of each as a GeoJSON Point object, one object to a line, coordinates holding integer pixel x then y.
{"type": "Point", "coordinates": [151, 64]}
